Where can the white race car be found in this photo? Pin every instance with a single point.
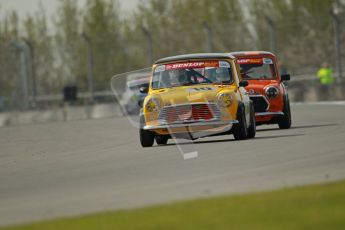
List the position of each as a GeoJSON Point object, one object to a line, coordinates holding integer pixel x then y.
{"type": "Point", "coordinates": [132, 96]}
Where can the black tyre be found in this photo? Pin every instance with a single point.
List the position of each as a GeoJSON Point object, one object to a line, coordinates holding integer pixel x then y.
{"type": "Point", "coordinates": [161, 140]}
{"type": "Point", "coordinates": [240, 129]}
{"type": "Point", "coordinates": [252, 127]}
{"type": "Point", "coordinates": [284, 122]}
{"type": "Point", "coordinates": [146, 138]}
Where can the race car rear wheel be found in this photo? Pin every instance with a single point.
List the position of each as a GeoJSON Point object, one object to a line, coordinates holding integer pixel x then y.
{"type": "Point", "coordinates": [284, 122]}
{"type": "Point", "coordinates": [146, 138]}
{"type": "Point", "coordinates": [240, 129]}
{"type": "Point", "coordinates": [252, 127]}
{"type": "Point", "coordinates": [161, 140]}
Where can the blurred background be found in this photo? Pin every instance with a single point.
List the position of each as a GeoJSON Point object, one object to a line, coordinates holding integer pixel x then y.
{"type": "Point", "coordinates": [64, 50]}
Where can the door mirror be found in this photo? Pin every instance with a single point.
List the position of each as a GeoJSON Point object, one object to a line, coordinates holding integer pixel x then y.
{"type": "Point", "coordinates": [144, 90]}
{"type": "Point", "coordinates": [285, 77]}
{"type": "Point", "coordinates": [244, 83]}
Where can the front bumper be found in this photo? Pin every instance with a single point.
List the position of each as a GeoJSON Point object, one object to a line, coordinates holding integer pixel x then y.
{"type": "Point", "coordinates": [190, 125]}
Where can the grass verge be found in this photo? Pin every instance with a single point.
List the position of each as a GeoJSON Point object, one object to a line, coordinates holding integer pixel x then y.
{"type": "Point", "coordinates": [309, 207]}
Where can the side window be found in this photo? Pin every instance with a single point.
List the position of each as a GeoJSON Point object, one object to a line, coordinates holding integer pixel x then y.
{"type": "Point", "coordinates": [273, 70]}
{"type": "Point", "coordinates": [155, 80]}
{"type": "Point", "coordinates": [237, 73]}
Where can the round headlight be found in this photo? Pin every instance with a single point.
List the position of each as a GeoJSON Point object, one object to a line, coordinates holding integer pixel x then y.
{"type": "Point", "coordinates": [272, 92]}
{"type": "Point", "coordinates": [225, 100]}
{"type": "Point", "coordinates": [153, 104]}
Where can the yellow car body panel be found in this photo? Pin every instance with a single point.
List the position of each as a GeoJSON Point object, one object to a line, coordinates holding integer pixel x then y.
{"type": "Point", "coordinates": [195, 94]}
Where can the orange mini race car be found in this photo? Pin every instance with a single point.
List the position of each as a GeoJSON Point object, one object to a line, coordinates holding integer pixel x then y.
{"type": "Point", "coordinates": [265, 88]}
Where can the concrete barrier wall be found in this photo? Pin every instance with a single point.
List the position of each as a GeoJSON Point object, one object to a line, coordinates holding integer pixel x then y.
{"type": "Point", "coordinates": [65, 113]}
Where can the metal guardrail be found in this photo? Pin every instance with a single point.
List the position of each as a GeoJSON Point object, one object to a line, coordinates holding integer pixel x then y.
{"type": "Point", "coordinates": [312, 77]}
{"type": "Point", "coordinates": [82, 95]}
{"type": "Point", "coordinates": [109, 93]}
{"type": "Point", "coordinates": [108, 96]}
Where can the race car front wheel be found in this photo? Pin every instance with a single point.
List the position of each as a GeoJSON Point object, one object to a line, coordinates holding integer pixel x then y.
{"type": "Point", "coordinates": [240, 129]}
{"type": "Point", "coordinates": [284, 122]}
{"type": "Point", "coordinates": [146, 138]}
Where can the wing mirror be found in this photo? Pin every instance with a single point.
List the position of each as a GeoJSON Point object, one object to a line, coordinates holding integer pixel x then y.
{"type": "Point", "coordinates": [285, 77]}
{"type": "Point", "coordinates": [243, 83]}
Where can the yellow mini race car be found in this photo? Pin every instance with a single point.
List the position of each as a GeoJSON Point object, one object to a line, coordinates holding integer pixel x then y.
{"type": "Point", "coordinates": [196, 95]}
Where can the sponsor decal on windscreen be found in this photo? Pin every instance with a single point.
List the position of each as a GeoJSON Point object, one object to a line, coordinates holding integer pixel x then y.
{"type": "Point", "coordinates": [194, 65]}
{"type": "Point", "coordinates": [249, 61]}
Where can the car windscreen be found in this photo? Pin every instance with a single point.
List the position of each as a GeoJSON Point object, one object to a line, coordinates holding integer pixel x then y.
{"type": "Point", "coordinates": [257, 68]}
{"type": "Point", "coordinates": [192, 73]}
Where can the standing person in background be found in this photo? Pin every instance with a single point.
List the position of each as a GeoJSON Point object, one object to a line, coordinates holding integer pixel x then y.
{"type": "Point", "coordinates": [325, 74]}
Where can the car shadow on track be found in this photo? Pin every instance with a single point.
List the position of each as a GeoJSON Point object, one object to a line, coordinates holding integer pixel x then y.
{"type": "Point", "coordinates": [275, 136]}
{"type": "Point", "coordinates": [300, 127]}
{"type": "Point", "coordinates": [230, 140]}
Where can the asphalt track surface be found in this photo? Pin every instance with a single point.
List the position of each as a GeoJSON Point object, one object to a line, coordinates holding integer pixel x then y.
{"type": "Point", "coordinates": [73, 168]}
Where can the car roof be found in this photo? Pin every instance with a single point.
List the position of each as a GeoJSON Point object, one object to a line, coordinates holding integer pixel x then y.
{"type": "Point", "coordinates": [251, 53]}
{"type": "Point", "coordinates": [195, 56]}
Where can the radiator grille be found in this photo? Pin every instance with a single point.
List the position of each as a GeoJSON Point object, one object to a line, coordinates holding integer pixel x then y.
{"type": "Point", "coordinates": [189, 113]}
{"type": "Point", "coordinates": [260, 104]}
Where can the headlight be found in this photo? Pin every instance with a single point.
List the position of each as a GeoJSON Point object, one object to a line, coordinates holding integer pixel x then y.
{"type": "Point", "coordinates": [224, 100]}
{"type": "Point", "coordinates": [272, 92]}
{"type": "Point", "coordinates": [153, 104]}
